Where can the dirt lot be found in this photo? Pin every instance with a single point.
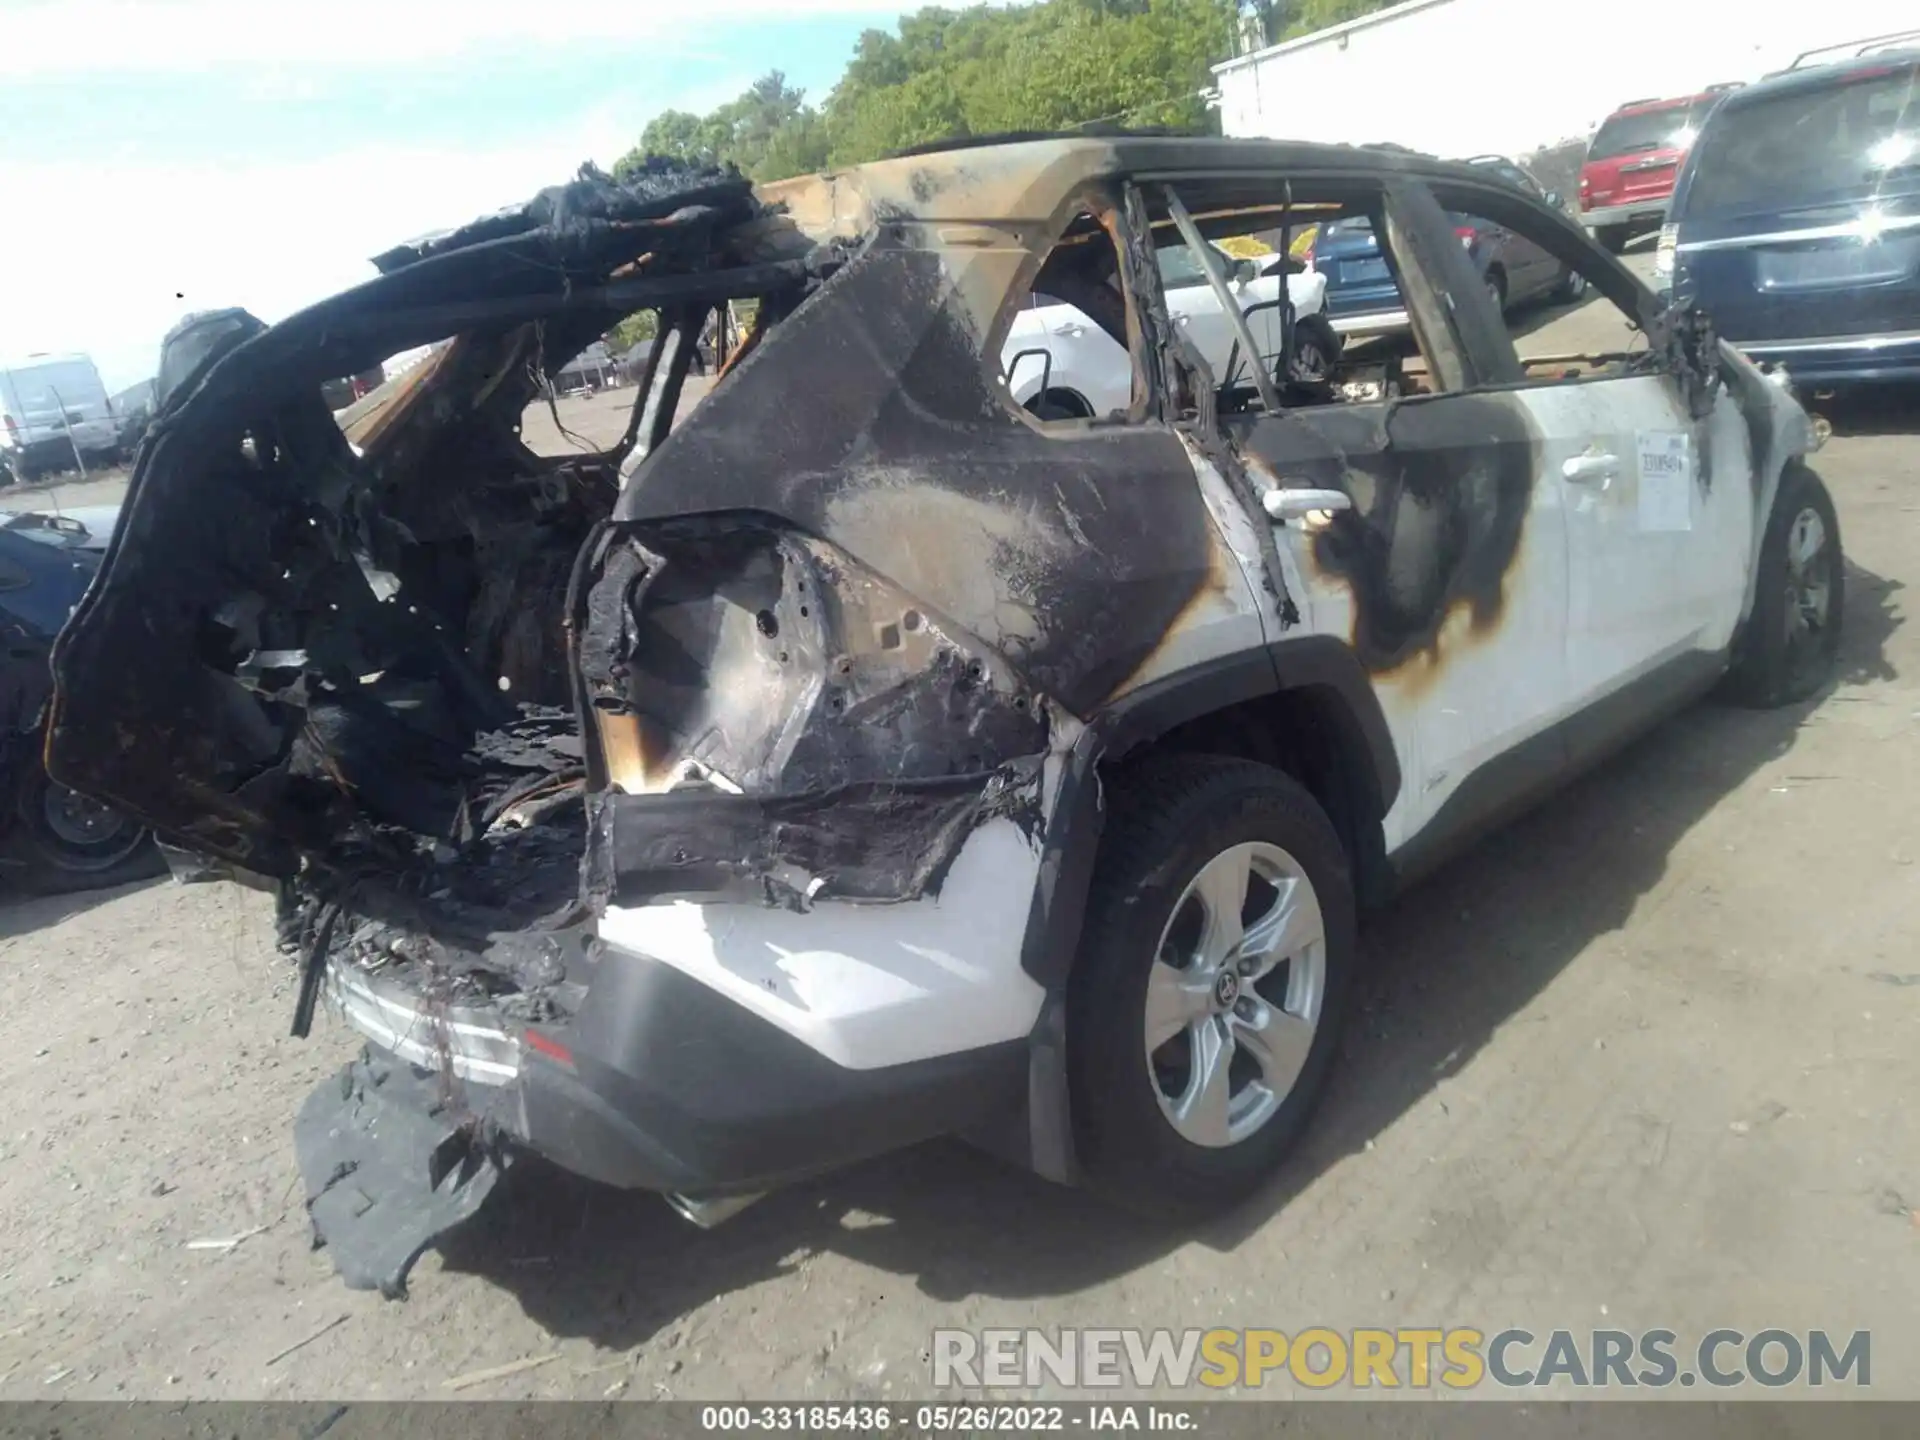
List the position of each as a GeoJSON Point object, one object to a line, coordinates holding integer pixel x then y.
{"type": "Point", "coordinates": [1647, 1059]}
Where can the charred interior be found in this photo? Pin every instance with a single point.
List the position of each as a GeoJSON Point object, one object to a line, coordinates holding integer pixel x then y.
{"type": "Point", "coordinates": [354, 659]}
{"type": "Point", "coordinates": [460, 696]}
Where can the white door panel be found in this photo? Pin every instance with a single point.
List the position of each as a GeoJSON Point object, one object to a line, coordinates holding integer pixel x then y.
{"type": "Point", "coordinates": [1484, 679]}
{"type": "Point", "coordinates": [1658, 514]}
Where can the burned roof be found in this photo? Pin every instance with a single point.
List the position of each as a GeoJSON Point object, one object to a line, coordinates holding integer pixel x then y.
{"type": "Point", "coordinates": [593, 216]}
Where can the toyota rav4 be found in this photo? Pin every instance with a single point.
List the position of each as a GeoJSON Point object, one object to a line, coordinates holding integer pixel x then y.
{"type": "Point", "coordinates": [859, 756]}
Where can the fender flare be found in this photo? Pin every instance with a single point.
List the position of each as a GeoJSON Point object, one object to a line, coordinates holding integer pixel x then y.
{"type": "Point", "coordinates": [1072, 839]}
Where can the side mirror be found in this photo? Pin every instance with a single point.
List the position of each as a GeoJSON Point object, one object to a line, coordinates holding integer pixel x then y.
{"type": "Point", "coordinates": [1245, 271]}
{"type": "Point", "coordinates": [1553, 199]}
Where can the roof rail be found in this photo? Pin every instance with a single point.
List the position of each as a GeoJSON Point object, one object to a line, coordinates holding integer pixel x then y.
{"type": "Point", "coordinates": [1871, 45]}
{"type": "Point", "coordinates": [1724, 86]}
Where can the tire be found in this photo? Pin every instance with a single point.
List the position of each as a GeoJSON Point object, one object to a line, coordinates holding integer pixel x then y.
{"type": "Point", "coordinates": [1613, 238]}
{"type": "Point", "coordinates": [1057, 405]}
{"type": "Point", "coordinates": [1572, 287]}
{"type": "Point", "coordinates": [1497, 289]}
{"type": "Point", "coordinates": [1792, 641]}
{"type": "Point", "coordinates": [1172, 818]}
{"type": "Point", "coordinates": [49, 849]}
{"type": "Point", "coordinates": [1314, 340]}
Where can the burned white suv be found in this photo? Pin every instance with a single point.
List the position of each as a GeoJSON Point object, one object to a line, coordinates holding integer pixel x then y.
{"type": "Point", "coordinates": [864, 757]}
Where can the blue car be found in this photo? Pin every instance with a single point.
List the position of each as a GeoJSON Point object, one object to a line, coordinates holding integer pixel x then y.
{"type": "Point", "coordinates": [1796, 221]}
{"type": "Point", "coordinates": [1364, 298]}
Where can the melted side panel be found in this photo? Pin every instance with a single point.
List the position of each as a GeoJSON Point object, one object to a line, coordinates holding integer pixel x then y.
{"type": "Point", "coordinates": [869, 419]}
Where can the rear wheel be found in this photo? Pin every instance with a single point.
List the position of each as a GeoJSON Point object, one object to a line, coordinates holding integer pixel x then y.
{"type": "Point", "coordinates": [1613, 238]}
{"type": "Point", "coordinates": [1212, 978]}
{"type": "Point", "coordinates": [1497, 290]}
{"type": "Point", "coordinates": [1573, 286]}
{"type": "Point", "coordinates": [61, 841]}
{"type": "Point", "coordinates": [1059, 405]}
{"type": "Point", "coordinates": [1792, 640]}
{"type": "Point", "coordinates": [1316, 349]}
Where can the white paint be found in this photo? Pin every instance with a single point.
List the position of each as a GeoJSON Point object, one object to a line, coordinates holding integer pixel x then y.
{"type": "Point", "coordinates": [867, 985]}
{"type": "Point", "coordinates": [1640, 594]}
{"type": "Point", "coordinates": [1488, 693]}
{"type": "Point", "coordinates": [1463, 77]}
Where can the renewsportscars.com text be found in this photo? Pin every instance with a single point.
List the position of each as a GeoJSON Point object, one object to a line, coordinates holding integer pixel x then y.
{"type": "Point", "coordinates": [1460, 1358]}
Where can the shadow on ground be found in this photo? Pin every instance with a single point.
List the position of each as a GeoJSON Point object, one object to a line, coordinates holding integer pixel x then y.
{"type": "Point", "coordinates": [22, 914]}
{"type": "Point", "coordinates": [1447, 966]}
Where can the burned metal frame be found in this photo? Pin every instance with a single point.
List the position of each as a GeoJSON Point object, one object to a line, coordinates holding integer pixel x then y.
{"type": "Point", "coordinates": [1269, 394]}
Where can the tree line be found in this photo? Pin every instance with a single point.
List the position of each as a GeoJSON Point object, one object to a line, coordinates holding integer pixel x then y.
{"type": "Point", "coordinates": [946, 74]}
{"type": "Point", "coordinates": [984, 70]}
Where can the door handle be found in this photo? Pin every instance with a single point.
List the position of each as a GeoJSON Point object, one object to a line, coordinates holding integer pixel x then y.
{"type": "Point", "coordinates": [1071, 329]}
{"type": "Point", "coordinates": [1591, 469]}
{"type": "Point", "coordinates": [1284, 505]}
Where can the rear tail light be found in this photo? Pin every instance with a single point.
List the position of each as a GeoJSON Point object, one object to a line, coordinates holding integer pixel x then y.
{"type": "Point", "coordinates": [551, 1048]}
{"type": "Point", "coordinates": [1468, 235]}
{"type": "Point", "coordinates": [1664, 251]}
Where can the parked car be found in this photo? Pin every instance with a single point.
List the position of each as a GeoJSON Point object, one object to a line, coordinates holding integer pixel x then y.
{"type": "Point", "coordinates": [858, 757]}
{"type": "Point", "coordinates": [1796, 222]}
{"type": "Point", "coordinates": [55, 415]}
{"type": "Point", "coordinates": [1364, 298]}
{"type": "Point", "coordinates": [1626, 182]}
{"type": "Point", "coordinates": [1061, 365]}
{"type": "Point", "coordinates": [52, 839]}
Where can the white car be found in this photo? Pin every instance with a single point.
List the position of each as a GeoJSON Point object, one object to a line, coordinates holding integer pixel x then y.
{"type": "Point", "coordinates": [1061, 365]}
{"type": "Point", "coordinates": [853, 759]}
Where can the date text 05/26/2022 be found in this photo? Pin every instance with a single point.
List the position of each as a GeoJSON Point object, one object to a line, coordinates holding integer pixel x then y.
{"type": "Point", "coordinates": [946, 1419]}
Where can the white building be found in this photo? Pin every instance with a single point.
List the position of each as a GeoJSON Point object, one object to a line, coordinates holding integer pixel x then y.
{"type": "Point", "coordinates": [1467, 77]}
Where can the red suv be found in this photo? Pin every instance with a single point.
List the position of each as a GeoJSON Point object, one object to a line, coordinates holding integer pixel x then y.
{"type": "Point", "coordinates": [1626, 183]}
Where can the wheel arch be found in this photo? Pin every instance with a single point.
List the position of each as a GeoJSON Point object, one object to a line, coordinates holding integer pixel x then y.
{"type": "Point", "coordinates": [1065, 395]}
{"type": "Point", "coordinates": [1305, 706]}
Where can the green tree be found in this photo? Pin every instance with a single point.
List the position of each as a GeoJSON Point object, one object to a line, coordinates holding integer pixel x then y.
{"type": "Point", "coordinates": [640, 326]}
{"type": "Point", "coordinates": [946, 73]}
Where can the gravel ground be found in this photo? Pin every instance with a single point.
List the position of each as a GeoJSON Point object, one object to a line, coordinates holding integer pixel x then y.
{"type": "Point", "coordinates": [1646, 1059]}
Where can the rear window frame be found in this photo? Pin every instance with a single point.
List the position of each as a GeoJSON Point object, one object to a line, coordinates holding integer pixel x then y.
{"type": "Point", "coordinates": [1677, 116]}
{"type": "Point", "coordinates": [1687, 206]}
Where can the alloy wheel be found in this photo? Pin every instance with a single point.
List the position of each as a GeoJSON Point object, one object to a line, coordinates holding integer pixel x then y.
{"type": "Point", "coordinates": [1235, 996]}
{"type": "Point", "coordinates": [1809, 583]}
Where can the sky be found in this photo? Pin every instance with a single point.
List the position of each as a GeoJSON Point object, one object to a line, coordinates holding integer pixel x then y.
{"type": "Point", "coordinates": [165, 156]}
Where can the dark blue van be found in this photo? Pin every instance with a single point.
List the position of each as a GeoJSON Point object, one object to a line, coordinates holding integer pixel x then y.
{"type": "Point", "coordinates": [1796, 220]}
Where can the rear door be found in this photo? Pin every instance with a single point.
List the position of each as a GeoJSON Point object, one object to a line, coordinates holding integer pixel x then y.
{"type": "Point", "coordinates": [1658, 501]}
{"type": "Point", "coordinates": [1195, 309]}
{"type": "Point", "coordinates": [1800, 217]}
{"type": "Point", "coordinates": [1447, 575]}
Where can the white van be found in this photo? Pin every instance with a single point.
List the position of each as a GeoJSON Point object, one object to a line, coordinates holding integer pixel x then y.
{"type": "Point", "coordinates": [50, 407]}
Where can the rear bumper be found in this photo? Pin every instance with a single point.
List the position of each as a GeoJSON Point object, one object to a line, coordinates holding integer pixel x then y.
{"type": "Point", "coordinates": [661, 1083]}
{"type": "Point", "coordinates": [1841, 359]}
{"type": "Point", "coordinates": [1636, 212]}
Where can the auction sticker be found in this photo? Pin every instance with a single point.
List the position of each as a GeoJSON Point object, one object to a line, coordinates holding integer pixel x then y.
{"type": "Point", "coordinates": [1666, 480]}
